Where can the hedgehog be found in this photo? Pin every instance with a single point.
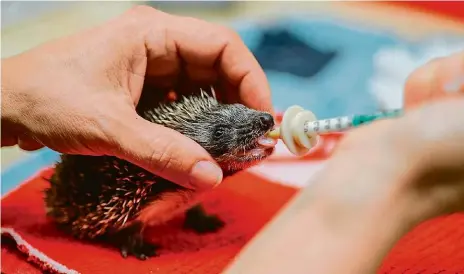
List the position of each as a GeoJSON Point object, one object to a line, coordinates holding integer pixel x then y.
{"type": "Point", "coordinates": [109, 199]}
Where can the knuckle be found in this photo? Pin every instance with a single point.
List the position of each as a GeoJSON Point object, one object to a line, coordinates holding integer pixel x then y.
{"type": "Point", "coordinates": [133, 21]}
{"type": "Point", "coordinates": [142, 10]}
{"type": "Point", "coordinates": [141, 17]}
{"type": "Point", "coordinates": [228, 33]}
{"type": "Point", "coordinates": [193, 21]}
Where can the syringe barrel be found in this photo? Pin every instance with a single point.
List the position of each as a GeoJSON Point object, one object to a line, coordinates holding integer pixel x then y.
{"type": "Point", "coordinates": [346, 122]}
{"type": "Point", "coordinates": [299, 128]}
{"type": "Point", "coordinates": [328, 125]}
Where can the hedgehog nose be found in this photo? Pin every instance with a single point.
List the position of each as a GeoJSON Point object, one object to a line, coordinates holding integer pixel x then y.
{"type": "Point", "coordinates": [266, 121]}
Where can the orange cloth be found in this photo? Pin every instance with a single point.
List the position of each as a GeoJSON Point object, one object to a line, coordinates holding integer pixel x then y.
{"type": "Point", "coordinates": [245, 201]}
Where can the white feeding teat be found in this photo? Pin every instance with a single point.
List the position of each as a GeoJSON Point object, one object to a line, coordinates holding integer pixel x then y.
{"type": "Point", "coordinates": [293, 130]}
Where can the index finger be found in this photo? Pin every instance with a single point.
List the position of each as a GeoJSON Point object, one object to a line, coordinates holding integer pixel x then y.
{"type": "Point", "coordinates": [439, 78]}
{"type": "Point", "coordinates": [208, 46]}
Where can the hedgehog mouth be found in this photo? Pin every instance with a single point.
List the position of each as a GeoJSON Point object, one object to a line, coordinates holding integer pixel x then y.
{"type": "Point", "coordinates": [257, 150]}
{"type": "Point", "coordinates": [266, 142]}
{"type": "Point", "coordinates": [260, 152]}
{"type": "Point", "coordinates": [262, 147]}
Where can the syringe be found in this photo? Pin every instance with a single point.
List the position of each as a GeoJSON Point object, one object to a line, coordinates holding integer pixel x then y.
{"type": "Point", "coordinates": [300, 130]}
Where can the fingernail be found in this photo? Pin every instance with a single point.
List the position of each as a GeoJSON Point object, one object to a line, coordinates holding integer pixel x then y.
{"type": "Point", "coordinates": [205, 175]}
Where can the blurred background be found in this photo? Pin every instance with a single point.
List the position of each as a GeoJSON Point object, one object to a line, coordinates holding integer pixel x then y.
{"type": "Point", "coordinates": [334, 58]}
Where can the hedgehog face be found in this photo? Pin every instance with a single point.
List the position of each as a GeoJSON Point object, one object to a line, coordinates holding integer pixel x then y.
{"type": "Point", "coordinates": [231, 133]}
{"type": "Point", "coordinates": [234, 136]}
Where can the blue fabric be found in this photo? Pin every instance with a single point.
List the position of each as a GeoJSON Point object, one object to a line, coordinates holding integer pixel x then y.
{"type": "Point", "coordinates": [27, 167]}
{"type": "Point", "coordinates": [340, 88]}
{"type": "Point", "coordinates": [281, 51]}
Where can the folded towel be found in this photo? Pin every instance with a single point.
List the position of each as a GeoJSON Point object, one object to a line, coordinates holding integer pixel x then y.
{"type": "Point", "coordinates": [246, 202]}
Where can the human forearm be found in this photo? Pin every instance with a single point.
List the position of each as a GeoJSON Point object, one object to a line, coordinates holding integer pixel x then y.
{"type": "Point", "coordinates": [350, 215]}
{"type": "Point", "coordinates": [331, 235]}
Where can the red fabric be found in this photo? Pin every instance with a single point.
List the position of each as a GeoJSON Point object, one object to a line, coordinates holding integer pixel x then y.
{"type": "Point", "coordinates": [451, 9]}
{"type": "Point", "coordinates": [436, 246]}
{"type": "Point", "coordinates": [13, 261]}
{"type": "Point", "coordinates": [245, 201]}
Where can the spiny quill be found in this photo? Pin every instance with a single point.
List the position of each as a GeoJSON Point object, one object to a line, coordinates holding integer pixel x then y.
{"type": "Point", "coordinates": [109, 199]}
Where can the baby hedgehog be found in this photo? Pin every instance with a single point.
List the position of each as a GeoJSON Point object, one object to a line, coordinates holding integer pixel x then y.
{"type": "Point", "coordinates": [106, 198]}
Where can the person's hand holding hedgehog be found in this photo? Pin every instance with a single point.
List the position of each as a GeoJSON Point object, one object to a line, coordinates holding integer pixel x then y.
{"type": "Point", "coordinates": [78, 94]}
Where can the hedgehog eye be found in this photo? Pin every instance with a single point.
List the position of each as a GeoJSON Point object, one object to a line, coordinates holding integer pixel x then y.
{"type": "Point", "coordinates": [218, 132]}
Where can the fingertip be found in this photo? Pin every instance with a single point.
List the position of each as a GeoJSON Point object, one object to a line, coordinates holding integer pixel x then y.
{"type": "Point", "coordinates": [206, 47]}
{"type": "Point", "coordinates": [29, 145]}
{"type": "Point", "coordinates": [438, 78]}
{"type": "Point", "coordinates": [205, 175]}
{"type": "Point", "coordinates": [241, 69]}
{"type": "Point", "coordinates": [421, 84]}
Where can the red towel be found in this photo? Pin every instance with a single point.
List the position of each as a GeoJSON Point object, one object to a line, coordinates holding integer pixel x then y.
{"type": "Point", "coordinates": [245, 201]}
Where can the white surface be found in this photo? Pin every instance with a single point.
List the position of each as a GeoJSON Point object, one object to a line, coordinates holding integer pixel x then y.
{"type": "Point", "coordinates": [37, 253]}
{"type": "Point", "coordinates": [14, 12]}
{"type": "Point", "coordinates": [393, 66]}
{"type": "Point", "coordinates": [297, 173]}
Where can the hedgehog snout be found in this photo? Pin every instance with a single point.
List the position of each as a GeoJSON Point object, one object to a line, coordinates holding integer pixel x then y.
{"type": "Point", "coordinates": [264, 121]}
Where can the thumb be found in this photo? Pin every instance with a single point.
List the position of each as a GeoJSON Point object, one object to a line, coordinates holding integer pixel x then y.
{"type": "Point", "coordinates": [167, 153]}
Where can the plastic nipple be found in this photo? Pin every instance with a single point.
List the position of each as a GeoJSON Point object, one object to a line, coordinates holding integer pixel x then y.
{"type": "Point", "coordinates": [293, 131]}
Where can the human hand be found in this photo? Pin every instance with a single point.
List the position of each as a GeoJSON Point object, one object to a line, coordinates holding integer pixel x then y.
{"type": "Point", "coordinates": [438, 86]}
{"type": "Point", "coordinates": [79, 94]}
{"type": "Point", "coordinates": [420, 154]}
{"type": "Point", "coordinates": [382, 180]}
{"type": "Point", "coordinates": [413, 165]}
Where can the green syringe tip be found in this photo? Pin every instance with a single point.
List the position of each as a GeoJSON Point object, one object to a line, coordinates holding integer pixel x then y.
{"type": "Point", "coordinates": [363, 119]}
